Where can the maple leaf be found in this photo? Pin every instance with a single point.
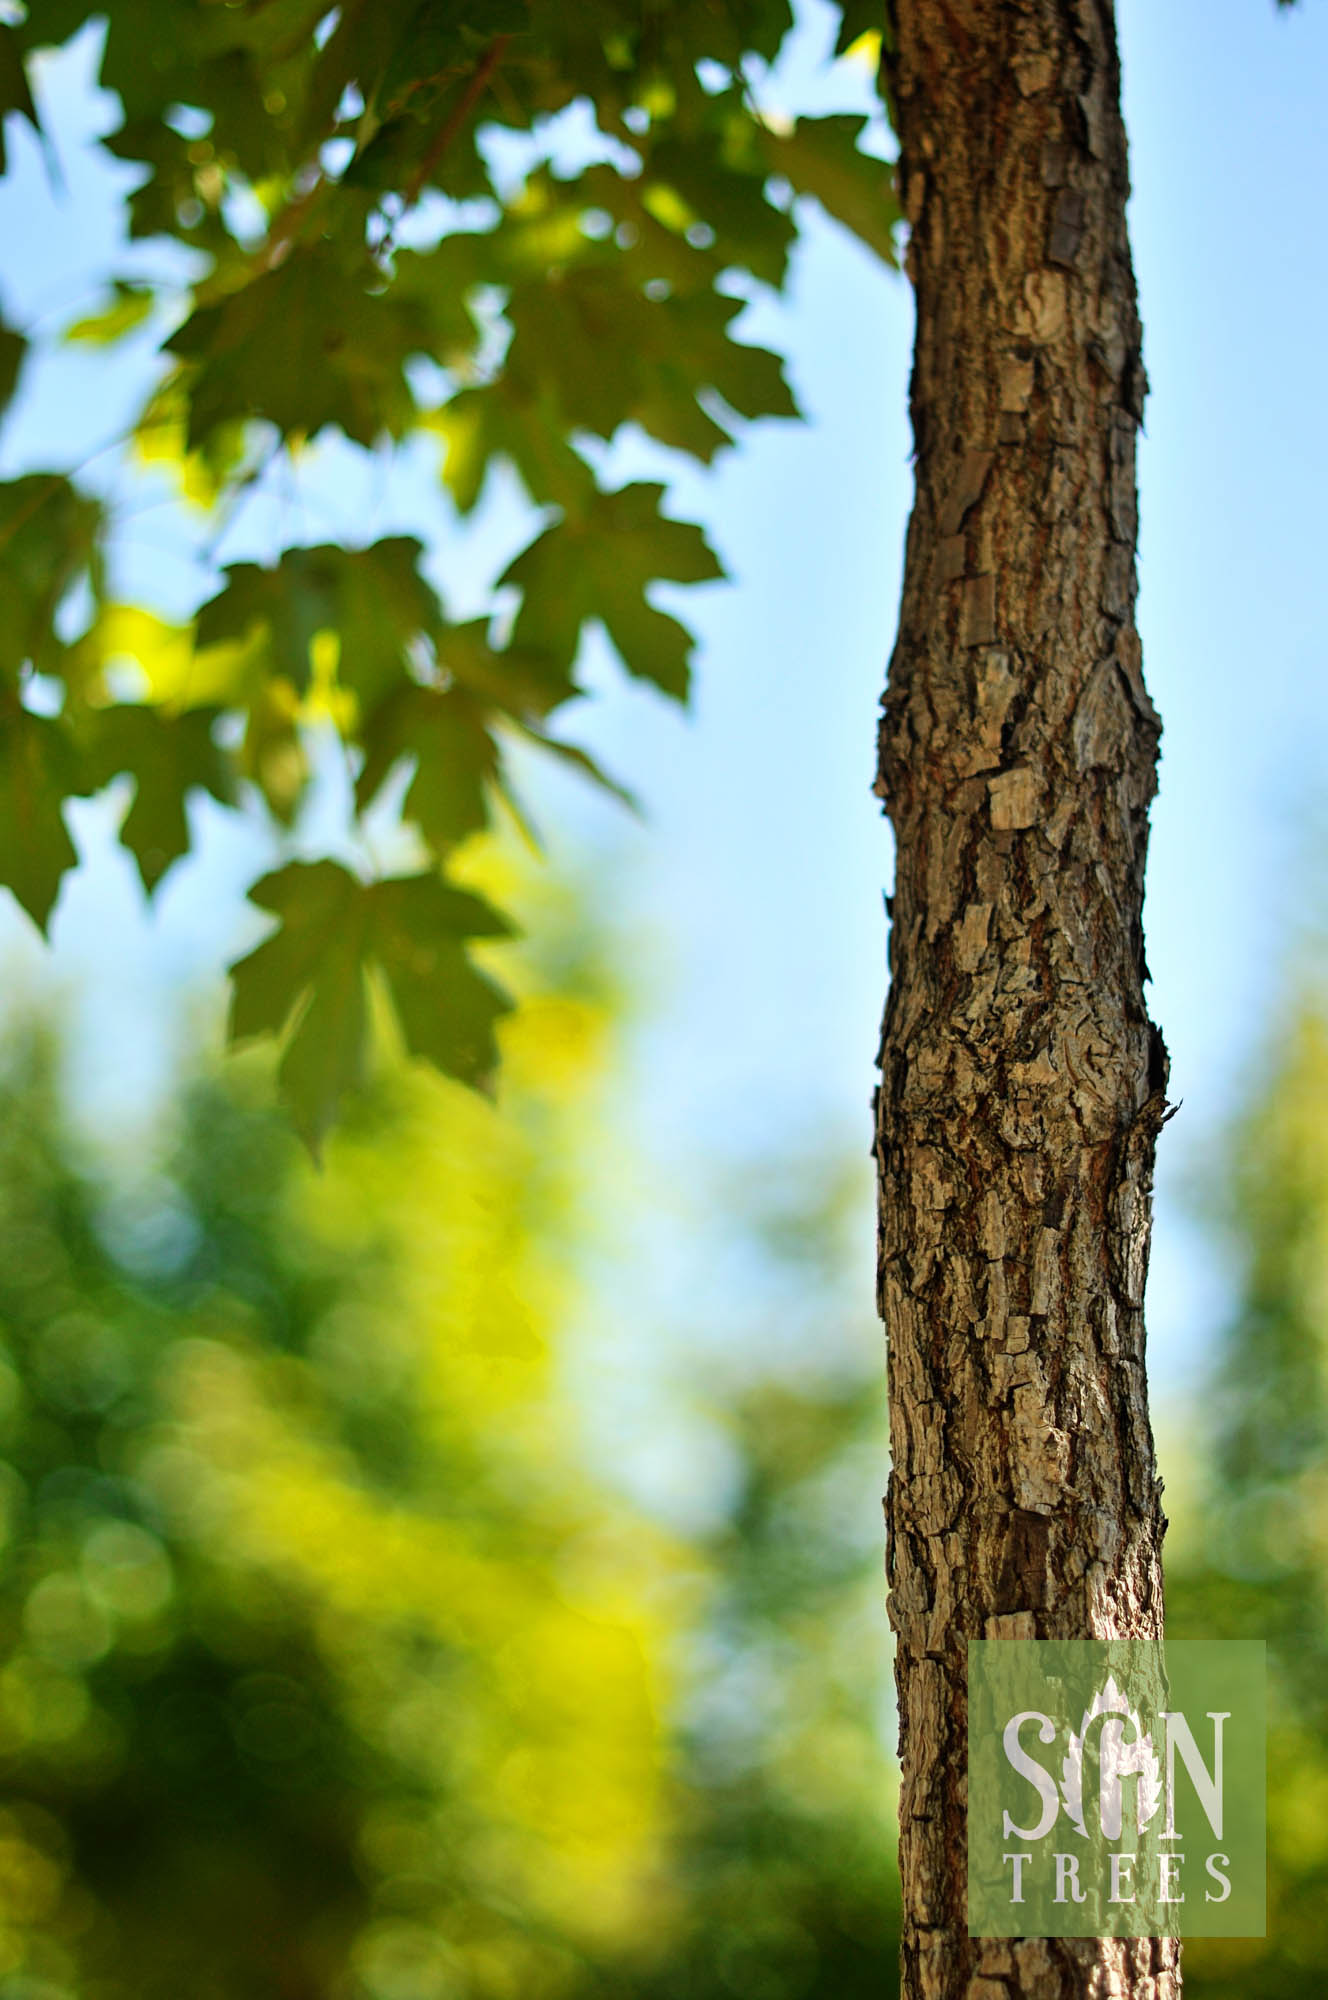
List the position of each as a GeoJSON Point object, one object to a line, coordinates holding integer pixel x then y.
{"type": "Point", "coordinates": [600, 566]}
{"type": "Point", "coordinates": [307, 982]}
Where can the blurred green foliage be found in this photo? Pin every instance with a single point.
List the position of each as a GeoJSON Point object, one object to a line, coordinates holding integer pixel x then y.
{"type": "Point", "coordinates": [784, 1859]}
{"type": "Point", "coordinates": [1250, 1559]}
{"type": "Point", "coordinates": [329, 1666]}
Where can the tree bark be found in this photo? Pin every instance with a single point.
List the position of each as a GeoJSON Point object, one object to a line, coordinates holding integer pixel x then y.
{"type": "Point", "coordinates": [1022, 1083]}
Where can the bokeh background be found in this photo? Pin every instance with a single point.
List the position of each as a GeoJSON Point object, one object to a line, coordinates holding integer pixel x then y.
{"type": "Point", "coordinates": [458, 1573]}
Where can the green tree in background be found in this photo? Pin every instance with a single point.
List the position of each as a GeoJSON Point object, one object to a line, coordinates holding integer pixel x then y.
{"type": "Point", "coordinates": [1252, 1555]}
{"type": "Point", "coordinates": [783, 1852]}
{"type": "Point", "coordinates": [330, 1670]}
{"type": "Point", "coordinates": [298, 1681]}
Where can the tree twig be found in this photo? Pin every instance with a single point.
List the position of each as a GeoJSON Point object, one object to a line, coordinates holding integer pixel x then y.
{"type": "Point", "coordinates": [450, 126]}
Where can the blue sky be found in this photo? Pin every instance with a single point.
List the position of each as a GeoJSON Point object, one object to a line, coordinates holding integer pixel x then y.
{"type": "Point", "coordinates": [749, 905]}
{"type": "Point", "coordinates": [756, 889]}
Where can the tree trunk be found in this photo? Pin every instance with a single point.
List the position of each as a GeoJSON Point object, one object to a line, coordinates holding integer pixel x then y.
{"type": "Point", "coordinates": [1022, 1083]}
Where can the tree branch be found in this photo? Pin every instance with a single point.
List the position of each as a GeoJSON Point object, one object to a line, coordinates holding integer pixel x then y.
{"type": "Point", "coordinates": [451, 125]}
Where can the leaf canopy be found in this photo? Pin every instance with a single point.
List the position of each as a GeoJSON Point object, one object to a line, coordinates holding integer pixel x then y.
{"type": "Point", "coordinates": [368, 266]}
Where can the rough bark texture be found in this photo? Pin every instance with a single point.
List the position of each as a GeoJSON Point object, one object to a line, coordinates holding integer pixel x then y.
{"type": "Point", "coordinates": [1022, 1083]}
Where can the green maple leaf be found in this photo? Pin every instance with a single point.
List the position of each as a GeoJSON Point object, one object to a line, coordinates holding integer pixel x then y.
{"type": "Point", "coordinates": [599, 352]}
{"type": "Point", "coordinates": [650, 240]}
{"type": "Point", "coordinates": [522, 681]}
{"type": "Point", "coordinates": [49, 538]}
{"type": "Point", "coordinates": [15, 94]}
{"type": "Point", "coordinates": [279, 610]}
{"type": "Point", "coordinates": [409, 60]}
{"type": "Point", "coordinates": [505, 420]}
{"type": "Point", "coordinates": [726, 33]}
{"type": "Point", "coordinates": [167, 203]}
{"type": "Point", "coordinates": [246, 67]}
{"type": "Point", "coordinates": [600, 566]}
{"type": "Point", "coordinates": [307, 982]}
{"type": "Point", "coordinates": [402, 148]}
{"type": "Point", "coordinates": [447, 735]}
{"type": "Point", "coordinates": [576, 341]}
{"type": "Point", "coordinates": [456, 761]}
{"type": "Point", "coordinates": [272, 754]}
{"type": "Point", "coordinates": [169, 756]}
{"type": "Point", "coordinates": [447, 1010]}
{"type": "Point", "coordinates": [820, 157]}
{"type": "Point", "coordinates": [39, 770]}
{"type": "Point", "coordinates": [443, 39]}
{"type": "Point", "coordinates": [699, 351]}
{"type": "Point", "coordinates": [309, 346]}
{"type": "Point", "coordinates": [373, 600]}
{"type": "Point", "coordinates": [717, 178]}
{"type": "Point", "coordinates": [385, 608]}
{"type": "Point", "coordinates": [13, 347]}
